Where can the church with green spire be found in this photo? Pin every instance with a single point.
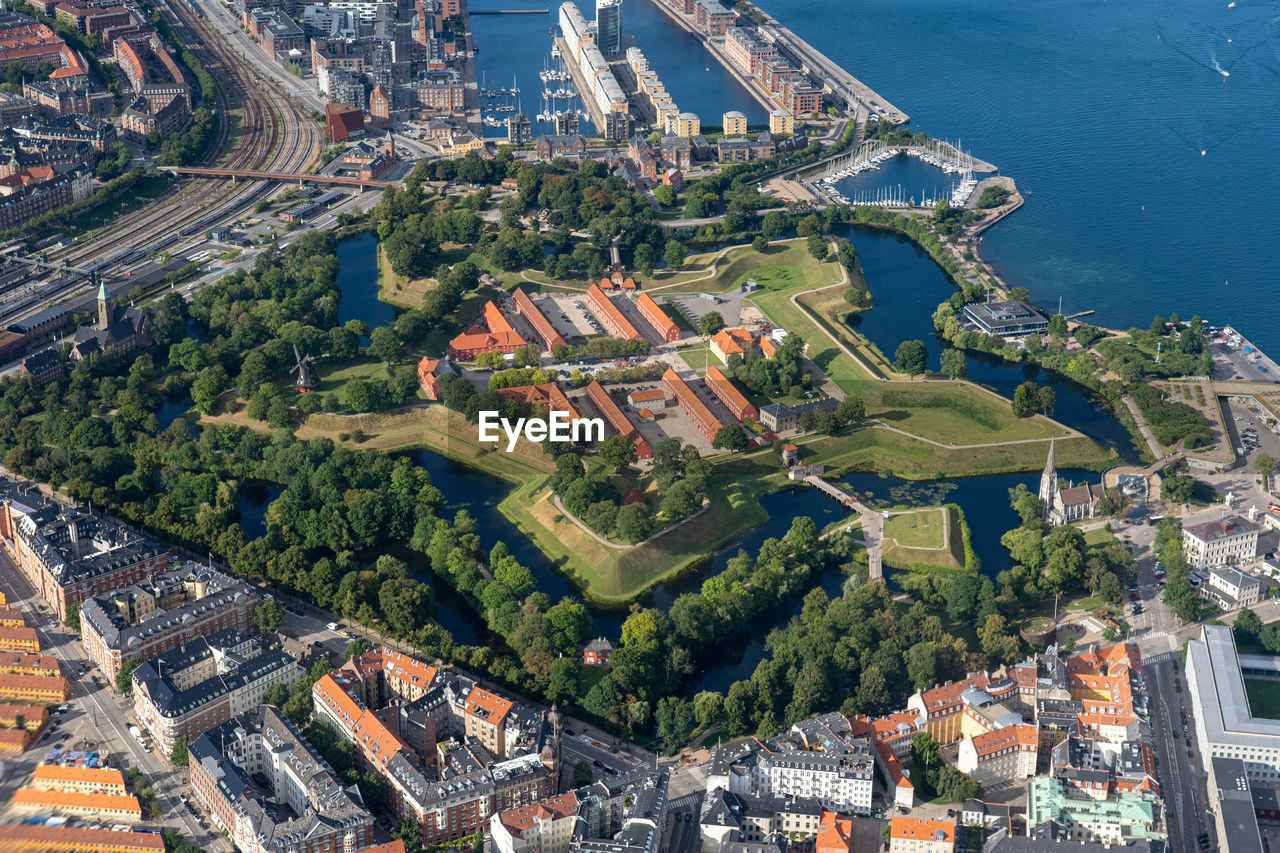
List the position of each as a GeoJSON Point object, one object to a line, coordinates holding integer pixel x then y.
{"type": "Point", "coordinates": [120, 329]}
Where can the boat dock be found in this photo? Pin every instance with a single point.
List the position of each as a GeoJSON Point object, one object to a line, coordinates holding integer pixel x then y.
{"type": "Point", "coordinates": [584, 91]}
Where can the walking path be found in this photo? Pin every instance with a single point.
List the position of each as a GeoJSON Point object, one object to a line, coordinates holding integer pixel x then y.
{"type": "Point", "coordinates": [1157, 452]}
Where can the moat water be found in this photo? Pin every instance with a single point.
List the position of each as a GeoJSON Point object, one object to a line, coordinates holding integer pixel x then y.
{"type": "Point", "coordinates": [906, 286]}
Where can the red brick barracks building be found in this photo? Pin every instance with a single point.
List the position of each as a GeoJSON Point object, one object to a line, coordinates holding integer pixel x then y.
{"type": "Point", "coordinates": [68, 555]}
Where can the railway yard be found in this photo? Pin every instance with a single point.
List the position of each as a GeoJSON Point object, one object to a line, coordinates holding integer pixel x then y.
{"type": "Point", "coordinates": [260, 128]}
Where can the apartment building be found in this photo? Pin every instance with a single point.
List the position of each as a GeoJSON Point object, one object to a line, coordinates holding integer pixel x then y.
{"type": "Point", "coordinates": [1000, 756]}
{"type": "Point", "coordinates": [545, 826]}
{"type": "Point", "coordinates": [324, 815]}
{"type": "Point", "coordinates": [1114, 820]}
{"type": "Point", "coordinates": [147, 619]}
{"type": "Point", "coordinates": [1231, 589]}
{"type": "Point", "coordinates": [199, 685]}
{"type": "Point", "coordinates": [84, 780]}
{"type": "Point", "coordinates": [113, 807]}
{"type": "Point", "coordinates": [68, 555]}
{"type": "Point", "coordinates": [918, 835]}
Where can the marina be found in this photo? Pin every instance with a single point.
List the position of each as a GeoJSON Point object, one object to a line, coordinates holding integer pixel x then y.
{"type": "Point", "coordinates": [874, 155]}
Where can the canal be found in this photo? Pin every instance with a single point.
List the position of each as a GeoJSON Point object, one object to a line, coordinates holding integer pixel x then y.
{"type": "Point", "coordinates": [906, 287]}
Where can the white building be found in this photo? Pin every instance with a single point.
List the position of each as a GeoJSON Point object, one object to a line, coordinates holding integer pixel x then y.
{"type": "Point", "coordinates": [1220, 542]}
{"type": "Point", "coordinates": [542, 827]}
{"type": "Point", "coordinates": [1231, 589]}
{"type": "Point", "coordinates": [1225, 726]}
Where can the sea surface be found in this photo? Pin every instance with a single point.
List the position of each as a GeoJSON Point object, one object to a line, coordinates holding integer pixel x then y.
{"type": "Point", "coordinates": [1142, 134]}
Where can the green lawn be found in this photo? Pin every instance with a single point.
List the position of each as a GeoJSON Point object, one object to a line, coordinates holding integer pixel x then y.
{"type": "Point", "coordinates": [334, 375]}
{"type": "Point", "coordinates": [1264, 697]}
{"type": "Point", "coordinates": [921, 528]}
{"type": "Point", "coordinates": [699, 358]}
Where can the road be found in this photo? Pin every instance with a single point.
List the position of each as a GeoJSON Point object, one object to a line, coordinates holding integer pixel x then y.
{"type": "Point", "coordinates": [1179, 768]}
{"type": "Point", "coordinates": [105, 713]}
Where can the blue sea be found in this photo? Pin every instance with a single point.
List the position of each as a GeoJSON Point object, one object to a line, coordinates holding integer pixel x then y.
{"type": "Point", "coordinates": [1143, 134]}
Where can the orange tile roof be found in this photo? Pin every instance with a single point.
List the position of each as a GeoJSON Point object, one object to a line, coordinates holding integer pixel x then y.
{"type": "Point", "coordinates": [768, 347]}
{"type": "Point", "coordinates": [1010, 737]}
{"type": "Point", "coordinates": [16, 682]}
{"type": "Point", "coordinates": [919, 829]}
{"type": "Point", "coordinates": [606, 284]}
{"type": "Point", "coordinates": [835, 833]}
{"type": "Point", "coordinates": [728, 394]}
{"type": "Point", "coordinates": [649, 396]}
{"type": "Point", "coordinates": [26, 838]}
{"type": "Point", "coordinates": [337, 700]}
{"type": "Point", "coordinates": [71, 773]}
{"type": "Point", "coordinates": [26, 660]}
{"type": "Point", "coordinates": [495, 320]}
{"type": "Point", "coordinates": [657, 318]}
{"type": "Point", "coordinates": [18, 636]}
{"type": "Point", "coordinates": [537, 319]}
{"type": "Point", "coordinates": [75, 800]}
{"type": "Point", "coordinates": [547, 396]}
{"type": "Point", "coordinates": [490, 707]}
{"type": "Point", "coordinates": [396, 846]}
{"type": "Point", "coordinates": [609, 410]}
{"type": "Point", "coordinates": [402, 667]}
{"type": "Point", "coordinates": [897, 774]}
{"type": "Point", "coordinates": [375, 739]}
{"type": "Point", "coordinates": [613, 318]}
{"type": "Point", "coordinates": [525, 817]}
{"type": "Point", "coordinates": [732, 341]}
{"type": "Point", "coordinates": [947, 696]}
{"type": "Point", "coordinates": [14, 740]}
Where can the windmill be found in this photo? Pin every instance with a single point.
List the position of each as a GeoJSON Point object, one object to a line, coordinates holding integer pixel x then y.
{"type": "Point", "coordinates": [307, 379]}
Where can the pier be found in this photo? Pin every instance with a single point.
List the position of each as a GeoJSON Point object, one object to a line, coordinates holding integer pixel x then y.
{"type": "Point", "coordinates": [510, 11]}
{"type": "Point", "coordinates": [584, 90]}
{"type": "Point", "coordinates": [842, 86]}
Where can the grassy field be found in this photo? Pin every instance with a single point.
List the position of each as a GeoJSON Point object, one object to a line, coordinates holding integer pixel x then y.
{"type": "Point", "coordinates": [698, 358]}
{"type": "Point", "coordinates": [1264, 697]}
{"type": "Point", "coordinates": [334, 375]}
{"type": "Point", "coordinates": [396, 289]}
{"type": "Point", "coordinates": [920, 528]}
{"type": "Point", "coordinates": [878, 449]}
{"type": "Point", "coordinates": [926, 536]}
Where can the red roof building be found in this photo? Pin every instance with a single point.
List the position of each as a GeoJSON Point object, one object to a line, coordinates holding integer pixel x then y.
{"type": "Point", "coordinates": [724, 389]}
{"type": "Point", "coordinates": [530, 312]}
{"type": "Point", "coordinates": [429, 372]}
{"type": "Point", "coordinates": [343, 123]}
{"type": "Point", "coordinates": [652, 311]}
{"type": "Point", "coordinates": [494, 333]}
{"type": "Point", "coordinates": [618, 325]}
{"type": "Point", "coordinates": [546, 396]}
{"type": "Point", "coordinates": [687, 399]}
{"type": "Point", "coordinates": [610, 412]}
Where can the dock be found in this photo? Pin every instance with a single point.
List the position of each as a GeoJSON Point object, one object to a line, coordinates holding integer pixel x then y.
{"type": "Point", "coordinates": [510, 11]}
{"type": "Point", "coordinates": [584, 91]}
{"type": "Point", "coordinates": [858, 98]}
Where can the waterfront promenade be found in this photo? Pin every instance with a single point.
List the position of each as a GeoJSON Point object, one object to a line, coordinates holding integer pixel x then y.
{"type": "Point", "coordinates": [858, 98]}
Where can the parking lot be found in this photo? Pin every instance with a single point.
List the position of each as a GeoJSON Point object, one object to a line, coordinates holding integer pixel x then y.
{"type": "Point", "coordinates": [694, 305]}
{"type": "Point", "coordinates": [570, 316]}
{"type": "Point", "coordinates": [1232, 362]}
{"type": "Point", "coordinates": [1249, 433]}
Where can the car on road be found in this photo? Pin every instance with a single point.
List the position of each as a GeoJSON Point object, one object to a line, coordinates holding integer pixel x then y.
{"type": "Point", "coordinates": [332, 626]}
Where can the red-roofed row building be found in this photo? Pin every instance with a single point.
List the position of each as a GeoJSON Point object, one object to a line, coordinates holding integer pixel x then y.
{"type": "Point", "coordinates": [703, 418]}
{"type": "Point", "coordinates": [541, 325]}
{"type": "Point", "coordinates": [653, 313]}
{"type": "Point", "coordinates": [430, 371]}
{"type": "Point", "coordinates": [733, 399]}
{"type": "Point", "coordinates": [610, 412]}
{"type": "Point", "coordinates": [546, 396]}
{"type": "Point", "coordinates": [613, 319]}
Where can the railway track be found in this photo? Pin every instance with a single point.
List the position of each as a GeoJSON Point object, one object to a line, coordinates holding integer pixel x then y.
{"type": "Point", "coordinates": [274, 134]}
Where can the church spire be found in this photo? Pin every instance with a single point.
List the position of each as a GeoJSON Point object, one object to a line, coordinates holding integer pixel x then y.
{"type": "Point", "coordinates": [1049, 483]}
{"type": "Point", "coordinates": [104, 308]}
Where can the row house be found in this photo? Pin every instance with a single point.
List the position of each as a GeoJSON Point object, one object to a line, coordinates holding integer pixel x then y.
{"type": "Point", "coordinates": [610, 411]}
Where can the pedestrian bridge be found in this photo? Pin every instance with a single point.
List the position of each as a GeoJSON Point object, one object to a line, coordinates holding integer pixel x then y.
{"type": "Point", "coordinates": [254, 175]}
